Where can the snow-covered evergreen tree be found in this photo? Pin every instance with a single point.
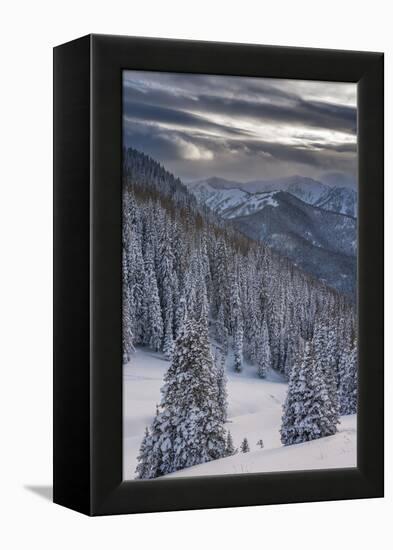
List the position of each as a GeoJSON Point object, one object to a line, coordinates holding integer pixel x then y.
{"type": "Point", "coordinates": [180, 314]}
{"type": "Point", "coordinates": [348, 389]}
{"type": "Point", "coordinates": [238, 347]}
{"type": "Point", "coordinates": [128, 347]}
{"type": "Point", "coordinates": [154, 453]}
{"type": "Point", "coordinates": [326, 360]}
{"type": "Point", "coordinates": [165, 270]}
{"type": "Point", "coordinates": [189, 430]}
{"type": "Point", "coordinates": [252, 314]}
{"type": "Point", "coordinates": [221, 330]}
{"type": "Point", "coordinates": [144, 457]}
{"type": "Point", "coordinates": [220, 278]}
{"type": "Point", "coordinates": [307, 409]}
{"type": "Point", "coordinates": [127, 298]}
{"type": "Point", "coordinates": [136, 282]}
{"type": "Point", "coordinates": [168, 344]}
{"type": "Point", "coordinates": [229, 447]}
{"type": "Point", "coordinates": [153, 328]}
{"type": "Point", "coordinates": [222, 394]}
{"type": "Point", "coordinates": [237, 327]}
{"type": "Point", "coordinates": [263, 352]}
{"type": "Point", "coordinates": [245, 447]}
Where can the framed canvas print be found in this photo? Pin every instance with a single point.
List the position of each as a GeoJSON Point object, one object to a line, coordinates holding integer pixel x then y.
{"type": "Point", "coordinates": [218, 275]}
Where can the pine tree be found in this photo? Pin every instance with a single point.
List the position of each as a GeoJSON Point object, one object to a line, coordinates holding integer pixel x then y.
{"type": "Point", "coordinates": [348, 380]}
{"type": "Point", "coordinates": [168, 345]}
{"type": "Point", "coordinates": [180, 314]}
{"type": "Point", "coordinates": [221, 330]}
{"type": "Point", "coordinates": [293, 342]}
{"type": "Point", "coordinates": [220, 278]}
{"type": "Point", "coordinates": [237, 324]}
{"type": "Point", "coordinates": [260, 443]}
{"type": "Point", "coordinates": [201, 305]}
{"type": "Point", "coordinates": [229, 447]}
{"type": "Point", "coordinates": [263, 352]}
{"type": "Point", "coordinates": [324, 356]}
{"type": "Point", "coordinates": [165, 279]}
{"type": "Point", "coordinates": [127, 299]}
{"type": "Point", "coordinates": [238, 348]}
{"type": "Point", "coordinates": [155, 450]}
{"type": "Point", "coordinates": [189, 429]}
{"type": "Point", "coordinates": [307, 408]}
{"type": "Point", "coordinates": [251, 315]}
{"type": "Point", "coordinates": [244, 447]}
{"type": "Point", "coordinates": [144, 457]}
{"type": "Point", "coordinates": [191, 388]}
{"type": "Point", "coordinates": [153, 328]}
{"type": "Point", "coordinates": [136, 282]}
{"type": "Point", "coordinates": [324, 411]}
{"type": "Point", "coordinates": [222, 394]}
{"type": "Point", "coordinates": [128, 347]}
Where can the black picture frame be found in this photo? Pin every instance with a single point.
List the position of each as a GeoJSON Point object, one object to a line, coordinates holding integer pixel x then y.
{"type": "Point", "coordinates": [87, 274]}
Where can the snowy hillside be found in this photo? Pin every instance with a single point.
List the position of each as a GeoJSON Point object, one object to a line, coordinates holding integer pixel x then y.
{"type": "Point", "coordinates": [255, 410]}
{"type": "Point", "coordinates": [336, 451]}
{"type": "Point", "coordinates": [308, 222]}
{"type": "Point", "coordinates": [305, 189]}
{"type": "Point", "coordinates": [220, 201]}
{"type": "Point", "coordinates": [339, 199]}
{"type": "Point", "coordinates": [232, 202]}
{"type": "Point", "coordinates": [221, 194]}
{"type": "Point", "coordinates": [253, 203]}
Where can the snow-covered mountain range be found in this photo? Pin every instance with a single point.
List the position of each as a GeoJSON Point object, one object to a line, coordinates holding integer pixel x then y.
{"type": "Point", "coordinates": [311, 223]}
{"type": "Point", "coordinates": [221, 194]}
{"type": "Point", "coordinates": [339, 199]}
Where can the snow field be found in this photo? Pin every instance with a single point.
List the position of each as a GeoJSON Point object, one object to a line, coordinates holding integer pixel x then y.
{"type": "Point", "coordinates": [255, 410]}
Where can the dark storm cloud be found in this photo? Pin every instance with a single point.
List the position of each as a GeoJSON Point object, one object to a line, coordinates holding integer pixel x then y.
{"type": "Point", "coordinates": [176, 117]}
{"type": "Point", "coordinates": [324, 157]}
{"type": "Point", "coordinates": [204, 124]}
{"type": "Point", "coordinates": [293, 110]}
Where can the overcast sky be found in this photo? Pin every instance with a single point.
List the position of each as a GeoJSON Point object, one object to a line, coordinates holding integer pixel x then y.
{"type": "Point", "coordinates": [241, 128]}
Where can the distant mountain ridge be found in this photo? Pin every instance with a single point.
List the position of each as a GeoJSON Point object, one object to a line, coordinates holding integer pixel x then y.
{"type": "Point", "coordinates": [318, 241]}
{"type": "Point", "coordinates": [339, 199]}
{"type": "Point", "coordinates": [336, 198]}
{"type": "Point", "coordinates": [308, 222]}
{"type": "Point", "coordinates": [304, 188]}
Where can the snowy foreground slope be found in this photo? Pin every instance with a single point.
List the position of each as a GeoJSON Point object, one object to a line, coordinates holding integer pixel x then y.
{"type": "Point", "coordinates": [255, 409]}
{"type": "Point", "coordinates": [337, 451]}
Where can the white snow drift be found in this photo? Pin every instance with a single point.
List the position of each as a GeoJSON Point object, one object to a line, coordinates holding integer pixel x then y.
{"type": "Point", "coordinates": [255, 409]}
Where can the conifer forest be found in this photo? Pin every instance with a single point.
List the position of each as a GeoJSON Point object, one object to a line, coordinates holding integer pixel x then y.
{"type": "Point", "coordinates": [236, 358]}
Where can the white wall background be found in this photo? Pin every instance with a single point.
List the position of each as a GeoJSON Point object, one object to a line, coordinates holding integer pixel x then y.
{"type": "Point", "coordinates": [28, 32]}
